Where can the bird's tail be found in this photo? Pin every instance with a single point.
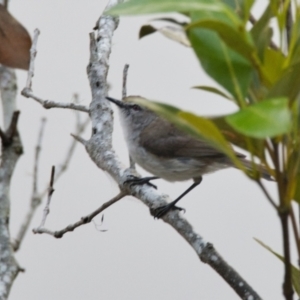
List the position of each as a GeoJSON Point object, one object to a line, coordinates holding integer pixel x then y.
{"type": "Point", "coordinates": [263, 171]}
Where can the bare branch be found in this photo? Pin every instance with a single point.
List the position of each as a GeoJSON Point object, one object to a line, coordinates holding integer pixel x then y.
{"type": "Point", "coordinates": [11, 152]}
{"type": "Point", "coordinates": [52, 104]}
{"type": "Point", "coordinates": [33, 52]}
{"type": "Point", "coordinates": [27, 91]}
{"type": "Point", "coordinates": [37, 156]}
{"type": "Point", "coordinates": [267, 194]}
{"type": "Point", "coordinates": [84, 220]}
{"type": "Point", "coordinates": [79, 139]}
{"type": "Point", "coordinates": [63, 167]}
{"type": "Point", "coordinates": [125, 73]}
{"type": "Point", "coordinates": [47, 207]}
{"type": "Point", "coordinates": [124, 94]}
{"type": "Point", "coordinates": [38, 196]}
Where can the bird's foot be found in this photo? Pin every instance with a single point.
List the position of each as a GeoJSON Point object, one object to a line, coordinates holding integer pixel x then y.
{"type": "Point", "coordinates": [159, 212]}
{"type": "Point", "coordinates": [138, 181]}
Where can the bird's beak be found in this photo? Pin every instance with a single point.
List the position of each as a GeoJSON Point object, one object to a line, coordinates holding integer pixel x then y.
{"type": "Point", "coordinates": [119, 103]}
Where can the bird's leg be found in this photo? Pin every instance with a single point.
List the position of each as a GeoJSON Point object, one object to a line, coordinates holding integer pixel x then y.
{"type": "Point", "coordinates": [137, 181]}
{"type": "Point", "coordinates": [162, 210]}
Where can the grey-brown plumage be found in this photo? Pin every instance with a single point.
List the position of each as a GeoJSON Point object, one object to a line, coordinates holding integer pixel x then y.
{"type": "Point", "coordinates": [167, 152]}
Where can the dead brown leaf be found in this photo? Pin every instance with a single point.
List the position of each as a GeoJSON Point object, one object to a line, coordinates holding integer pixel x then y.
{"type": "Point", "coordinates": [15, 42]}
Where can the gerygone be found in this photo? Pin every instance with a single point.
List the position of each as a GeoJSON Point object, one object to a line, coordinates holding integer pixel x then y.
{"type": "Point", "coordinates": [169, 153]}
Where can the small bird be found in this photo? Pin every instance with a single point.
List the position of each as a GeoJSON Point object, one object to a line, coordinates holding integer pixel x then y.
{"type": "Point", "coordinates": [167, 152]}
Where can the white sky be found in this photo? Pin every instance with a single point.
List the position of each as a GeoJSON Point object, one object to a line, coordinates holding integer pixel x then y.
{"type": "Point", "coordinates": [138, 257]}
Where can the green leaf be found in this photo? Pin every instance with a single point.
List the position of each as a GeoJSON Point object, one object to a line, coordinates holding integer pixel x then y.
{"type": "Point", "coordinates": [235, 37]}
{"type": "Point", "coordinates": [212, 89]}
{"type": "Point", "coordinates": [274, 62]}
{"type": "Point", "coordinates": [262, 33]}
{"type": "Point", "coordinates": [242, 7]}
{"type": "Point", "coordinates": [268, 118]}
{"type": "Point", "coordinates": [288, 85]}
{"type": "Point", "coordinates": [197, 126]}
{"type": "Point", "coordinates": [238, 139]}
{"type": "Point", "coordinates": [295, 271]}
{"type": "Point", "coordinates": [138, 7]}
{"type": "Point", "coordinates": [224, 65]}
{"type": "Point", "coordinates": [294, 48]}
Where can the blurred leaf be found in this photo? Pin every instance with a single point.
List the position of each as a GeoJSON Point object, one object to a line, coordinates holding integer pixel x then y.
{"type": "Point", "coordinates": [176, 34]}
{"type": "Point", "coordinates": [138, 7]}
{"type": "Point", "coordinates": [288, 85]}
{"type": "Point", "coordinates": [294, 49]}
{"type": "Point", "coordinates": [173, 33]}
{"type": "Point", "coordinates": [171, 20]}
{"type": "Point", "coordinates": [262, 33]}
{"type": "Point", "coordinates": [295, 271]}
{"type": "Point", "coordinates": [274, 62]}
{"type": "Point", "coordinates": [238, 139]}
{"type": "Point", "coordinates": [236, 38]}
{"type": "Point", "coordinates": [246, 6]}
{"type": "Point", "coordinates": [15, 42]}
{"type": "Point", "coordinates": [197, 126]}
{"type": "Point", "coordinates": [214, 90]}
{"type": "Point", "coordinates": [224, 65]}
{"type": "Point", "coordinates": [241, 7]}
{"type": "Point", "coordinates": [146, 30]}
{"type": "Point", "coordinates": [264, 119]}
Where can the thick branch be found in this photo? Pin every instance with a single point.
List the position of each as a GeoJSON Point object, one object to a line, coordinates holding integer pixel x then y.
{"type": "Point", "coordinates": [11, 151]}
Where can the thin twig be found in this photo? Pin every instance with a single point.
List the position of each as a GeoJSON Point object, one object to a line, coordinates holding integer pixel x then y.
{"type": "Point", "coordinates": [63, 167]}
{"type": "Point", "coordinates": [35, 198]}
{"type": "Point", "coordinates": [52, 104]}
{"type": "Point", "coordinates": [125, 73]}
{"type": "Point", "coordinates": [37, 158]}
{"type": "Point", "coordinates": [288, 24]}
{"type": "Point", "coordinates": [272, 202]}
{"type": "Point", "coordinates": [124, 94]}
{"type": "Point", "coordinates": [27, 91]}
{"type": "Point", "coordinates": [83, 220]}
{"type": "Point", "coordinates": [296, 232]}
{"type": "Point", "coordinates": [283, 211]}
{"type": "Point", "coordinates": [47, 207]}
{"type": "Point", "coordinates": [38, 196]}
{"type": "Point", "coordinates": [287, 284]}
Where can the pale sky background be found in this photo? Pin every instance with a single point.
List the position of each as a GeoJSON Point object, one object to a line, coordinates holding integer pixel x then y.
{"type": "Point", "coordinates": [138, 257]}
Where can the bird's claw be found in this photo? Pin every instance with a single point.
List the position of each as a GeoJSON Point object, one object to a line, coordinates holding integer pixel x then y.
{"type": "Point", "coordinates": [160, 211]}
{"type": "Point", "coordinates": [139, 181]}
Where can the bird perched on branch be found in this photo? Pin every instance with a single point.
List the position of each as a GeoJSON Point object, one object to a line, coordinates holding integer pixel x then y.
{"type": "Point", "coordinates": [167, 152]}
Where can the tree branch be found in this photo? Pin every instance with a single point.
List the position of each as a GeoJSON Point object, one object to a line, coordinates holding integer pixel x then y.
{"type": "Point", "coordinates": [11, 151]}
{"type": "Point", "coordinates": [35, 199]}
{"type": "Point", "coordinates": [84, 220]}
{"type": "Point", "coordinates": [27, 91]}
{"type": "Point", "coordinates": [37, 196]}
{"type": "Point", "coordinates": [99, 148]}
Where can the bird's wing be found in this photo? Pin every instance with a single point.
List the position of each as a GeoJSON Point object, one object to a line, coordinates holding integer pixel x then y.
{"type": "Point", "coordinates": [168, 141]}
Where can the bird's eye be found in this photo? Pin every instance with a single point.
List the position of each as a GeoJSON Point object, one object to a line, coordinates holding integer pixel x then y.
{"type": "Point", "coordinates": [135, 107]}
